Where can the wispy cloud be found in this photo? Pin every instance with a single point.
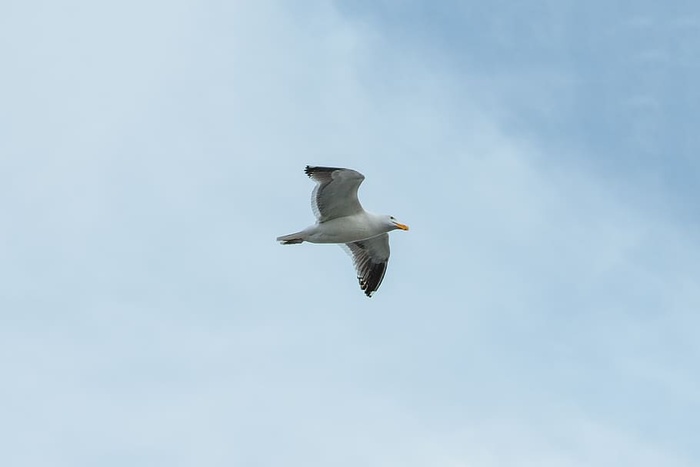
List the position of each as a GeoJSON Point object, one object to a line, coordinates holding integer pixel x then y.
{"type": "Point", "coordinates": [539, 312]}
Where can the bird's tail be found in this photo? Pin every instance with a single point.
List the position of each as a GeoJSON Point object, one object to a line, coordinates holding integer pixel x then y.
{"type": "Point", "coordinates": [291, 239]}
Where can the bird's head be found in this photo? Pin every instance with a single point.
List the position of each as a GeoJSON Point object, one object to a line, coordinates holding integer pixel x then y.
{"type": "Point", "coordinates": [394, 224]}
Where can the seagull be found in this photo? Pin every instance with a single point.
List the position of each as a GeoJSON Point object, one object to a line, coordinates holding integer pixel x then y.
{"type": "Point", "coordinates": [341, 219]}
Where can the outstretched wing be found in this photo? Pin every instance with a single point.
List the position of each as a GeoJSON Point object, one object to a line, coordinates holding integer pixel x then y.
{"type": "Point", "coordinates": [370, 258]}
{"type": "Point", "coordinates": [335, 194]}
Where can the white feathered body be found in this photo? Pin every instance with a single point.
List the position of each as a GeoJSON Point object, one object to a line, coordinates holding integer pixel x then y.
{"type": "Point", "coordinates": [347, 229]}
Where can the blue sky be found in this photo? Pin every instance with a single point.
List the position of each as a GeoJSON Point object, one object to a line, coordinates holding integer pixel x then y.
{"type": "Point", "coordinates": [543, 309]}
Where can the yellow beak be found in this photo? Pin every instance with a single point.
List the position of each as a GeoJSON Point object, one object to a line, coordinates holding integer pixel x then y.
{"type": "Point", "coordinates": [402, 226]}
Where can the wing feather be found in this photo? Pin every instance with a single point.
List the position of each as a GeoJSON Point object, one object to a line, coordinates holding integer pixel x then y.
{"type": "Point", "coordinates": [370, 258]}
{"type": "Point", "coordinates": [335, 193]}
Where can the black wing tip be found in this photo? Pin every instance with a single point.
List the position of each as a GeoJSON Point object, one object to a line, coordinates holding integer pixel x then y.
{"type": "Point", "coordinates": [370, 282]}
{"type": "Point", "coordinates": [312, 169]}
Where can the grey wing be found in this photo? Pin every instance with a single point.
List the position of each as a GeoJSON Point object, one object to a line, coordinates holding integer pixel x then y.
{"type": "Point", "coordinates": [335, 194]}
{"type": "Point", "coordinates": [370, 258]}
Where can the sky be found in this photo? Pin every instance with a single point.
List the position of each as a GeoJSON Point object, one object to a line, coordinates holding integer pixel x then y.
{"type": "Point", "coordinates": [542, 310]}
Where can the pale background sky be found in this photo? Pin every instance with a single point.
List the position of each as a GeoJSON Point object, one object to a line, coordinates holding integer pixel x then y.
{"type": "Point", "coordinates": [543, 310]}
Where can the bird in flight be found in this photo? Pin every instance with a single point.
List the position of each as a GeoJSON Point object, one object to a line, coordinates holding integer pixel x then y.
{"type": "Point", "coordinates": [341, 219]}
